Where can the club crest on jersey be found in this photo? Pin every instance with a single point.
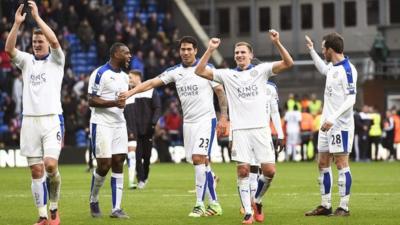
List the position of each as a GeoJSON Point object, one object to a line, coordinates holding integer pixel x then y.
{"type": "Point", "coordinates": [335, 75]}
{"type": "Point", "coordinates": [253, 73]}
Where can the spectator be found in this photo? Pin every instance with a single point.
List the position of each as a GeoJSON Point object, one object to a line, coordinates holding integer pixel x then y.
{"type": "Point", "coordinates": [388, 135]}
{"type": "Point", "coordinates": [17, 93]}
{"type": "Point", "coordinates": [85, 34]}
{"type": "Point", "coordinates": [292, 119]}
{"type": "Point", "coordinates": [375, 131]}
{"type": "Point", "coordinates": [102, 49]}
{"type": "Point", "coordinates": [365, 153]}
{"type": "Point", "coordinates": [173, 124]}
{"type": "Point", "coordinates": [315, 104]}
{"type": "Point", "coordinates": [306, 126]}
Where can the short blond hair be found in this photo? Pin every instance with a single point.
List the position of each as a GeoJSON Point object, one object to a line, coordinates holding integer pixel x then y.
{"type": "Point", "coordinates": [243, 43]}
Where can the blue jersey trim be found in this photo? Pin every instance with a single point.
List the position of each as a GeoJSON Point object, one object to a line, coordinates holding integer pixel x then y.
{"type": "Point", "coordinates": [213, 126]}
{"type": "Point", "coordinates": [44, 58]}
{"type": "Point", "coordinates": [345, 140]}
{"type": "Point", "coordinates": [100, 72]}
{"type": "Point", "coordinates": [249, 67]}
{"type": "Point", "coordinates": [273, 85]}
{"type": "Point", "coordinates": [93, 139]}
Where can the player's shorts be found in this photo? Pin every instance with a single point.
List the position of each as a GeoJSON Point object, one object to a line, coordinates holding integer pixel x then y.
{"type": "Point", "coordinates": [335, 140]}
{"type": "Point", "coordinates": [42, 136]}
{"type": "Point", "coordinates": [293, 138]}
{"type": "Point", "coordinates": [108, 141]}
{"type": "Point", "coordinates": [253, 146]}
{"type": "Point", "coordinates": [200, 138]}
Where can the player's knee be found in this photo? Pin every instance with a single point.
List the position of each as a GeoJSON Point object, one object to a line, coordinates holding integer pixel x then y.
{"type": "Point", "coordinates": [103, 168]}
{"type": "Point", "coordinates": [243, 171]}
{"type": "Point", "coordinates": [341, 164]}
{"type": "Point", "coordinates": [37, 171]}
{"type": "Point", "coordinates": [269, 172]}
{"type": "Point", "coordinates": [324, 162]}
{"type": "Point", "coordinates": [198, 159]}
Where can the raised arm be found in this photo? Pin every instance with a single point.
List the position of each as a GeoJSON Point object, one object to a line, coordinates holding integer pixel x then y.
{"type": "Point", "coordinates": [201, 69]}
{"type": "Point", "coordinates": [287, 61]}
{"type": "Point", "coordinates": [47, 32]}
{"type": "Point", "coordinates": [12, 36]}
{"type": "Point", "coordinates": [147, 85]}
{"type": "Point", "coordinates": [319, 63]}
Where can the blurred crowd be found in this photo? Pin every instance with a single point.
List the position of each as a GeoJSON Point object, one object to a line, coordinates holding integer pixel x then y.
{"type": "Point", "coordinates": [91, 26]}
{"type": "Point", "coordinates": [87, 28]}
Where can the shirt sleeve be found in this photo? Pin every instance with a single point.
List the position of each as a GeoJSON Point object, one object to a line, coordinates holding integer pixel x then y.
{"type": "Point", "coordinates": [319, 63]}
{"type": "Point", "coordinates": [218, 75]}
{"type": "Point", "coordinates": [265, 68]}
{"type": "Point", "coordinates": [20, 59]}
{"type": "Point", "coordinates": [57, 55]}
{"type": "Point", "coordinates": [96, 84]}
{"type": "Point", "coordinates": [167, 77]}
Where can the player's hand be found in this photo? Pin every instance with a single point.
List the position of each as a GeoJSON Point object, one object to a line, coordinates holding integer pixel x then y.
{"type": "Point", "coordinates": [273, 35]}
{"type": "Point", "coordinates": [326, 126]}
{"type": "Point", "coordinates": [20, 15]}
{"type": "Point", "coordinates": [34, 9]}
{"type": "Point", "coordinates": [124, 94]}
{"type": "Point", "coordinates": [214, 43]}
{"type": "Point", "coordinates": [309, 43]}
{"type": "Point", "coordinates": [121, 101]}
{"type": "Point", "coordinates": [279, 145]}
{"type": "Point", "coordinates": [222, 126]}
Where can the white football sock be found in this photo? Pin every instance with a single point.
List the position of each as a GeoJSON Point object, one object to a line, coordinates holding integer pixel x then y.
{"type": "Point", "coordinates": [97, 183]}
{"type": "Point", "coordinates": [117, 186]}
{"type": "Point", "coordinates": [263, 185]}
{"type": "Point", "coordinates": [325, 184]}
{"type": "Point", "coordinates": [244, 193]}
{"type": "Point", "coordinates": [344, 183]}
{"type": "Point", "coordinates": [131, 167]}
{"type": "Point", "coordinates": [211, 192]}
{"type": "Point", "coordinates": [201, 183]}
{"type": "Point", "coordinates": [253, 179]}
{"type": "Point", "coordinates": [54, 185]}
{"type": "Point", "coordinates": [39, 193]}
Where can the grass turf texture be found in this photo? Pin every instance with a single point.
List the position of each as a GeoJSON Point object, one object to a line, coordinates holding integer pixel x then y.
{"type": "Point", "coordinates": [166, 200]}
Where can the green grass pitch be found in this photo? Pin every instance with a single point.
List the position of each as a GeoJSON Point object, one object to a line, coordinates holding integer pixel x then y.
{"type": "Point", "coordinates": [166, 200]}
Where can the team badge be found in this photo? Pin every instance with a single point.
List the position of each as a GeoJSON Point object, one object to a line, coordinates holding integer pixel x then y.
{"type": "Point", "coordinates": [253, 73]}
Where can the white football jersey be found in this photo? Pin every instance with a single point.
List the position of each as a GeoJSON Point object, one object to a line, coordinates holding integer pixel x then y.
{"type": "Point", "coordinates": [42, 80]}
{"type": "Point", "coordinates": [195, 93]}
{"type": "Point", "coordinates": [107, 84]}
{"type": "Point", "coordinates": [246, 91]}
{"type": "Point", "coordinates": [341, 80]}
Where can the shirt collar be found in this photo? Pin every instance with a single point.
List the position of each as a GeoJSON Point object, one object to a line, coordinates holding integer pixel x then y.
{"type": "Point", "coordinates": [346, 59]}
{"type": "Point", "coordinates": [193, 65]}
{"type": "Point", "coordinates": [249, 67]}
{"type": "Point", "coordinates": [111, 68]}
{"type": "Point", "coordinates": [44, 58]}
